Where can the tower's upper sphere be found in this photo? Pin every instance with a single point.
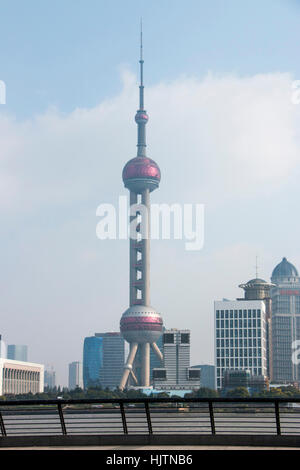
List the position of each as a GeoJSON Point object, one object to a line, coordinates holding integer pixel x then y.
{"type": "Point", "coordinates": [141, 173]}
{"type": "Point", "coordinates": [141, 324]}
{"type": "Point", "coordinates": [141, 117]}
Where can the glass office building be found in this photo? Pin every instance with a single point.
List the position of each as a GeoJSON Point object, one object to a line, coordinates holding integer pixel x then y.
{"type": "Point", "coordinates": [241, 338]}
{"type": "Point", "coordinates": [92, 361]}
{"type": "Point", "coordinates": [17, 352]}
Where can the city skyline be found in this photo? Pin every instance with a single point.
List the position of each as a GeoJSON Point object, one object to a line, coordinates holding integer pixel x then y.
{"type": "Point", "coordinates": [223, 128]}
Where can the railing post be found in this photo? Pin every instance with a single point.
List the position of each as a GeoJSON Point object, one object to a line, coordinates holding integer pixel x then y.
{"type": "Point", "coordinates": [277, 414]}
{"type": "Point", "coordinates": [123, 417]}
{"type": "Point", "coordinates": [62, 420]}
{"type": "Point", "coordinates": [148, 417]}
{"type": "Point", "coordinates": [3, 431]}
{"type": "Point", "coordinates": [212, 418]}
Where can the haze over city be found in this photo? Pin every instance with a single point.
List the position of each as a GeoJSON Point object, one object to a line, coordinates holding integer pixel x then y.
{"type": "Point", "coordinates": [223, 126]}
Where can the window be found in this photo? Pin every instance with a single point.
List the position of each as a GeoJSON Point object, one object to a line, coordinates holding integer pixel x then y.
{"type": "Point", "coordinates": [185, 338]}
{"type": "Point", "coordinates": [169, 338]}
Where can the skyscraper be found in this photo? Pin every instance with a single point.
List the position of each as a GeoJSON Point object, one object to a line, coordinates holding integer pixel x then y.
{"type": "Point", "coordinates": [113, 354]}
{"type": "Point", "coordinates": [140, 324]}
{"type": "Point", "coordinates": [17, 352]}
{"type": "Point", "coordinates": [92, 361]}
{"type": "Point", "coordinates": [242, 332]}
{"type": "Point", "coordinates": [2, 348]}
{"type": "Point", "coordinates": [49, 379]}
{"type": "Point", "coordinates": [285, 321]}
{"type": "Point", "coordinates": [75, 375]}
{"type": "Point", "coordinates": [176, 373]}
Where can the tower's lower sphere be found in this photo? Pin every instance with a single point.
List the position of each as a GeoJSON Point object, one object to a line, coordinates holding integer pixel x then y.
{"type": "Point", "coordinates": [141, 324]}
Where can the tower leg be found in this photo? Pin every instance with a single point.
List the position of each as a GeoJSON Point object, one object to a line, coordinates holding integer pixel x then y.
{"type": "Point", "coordinates": [145, 369]}
{"type": "Point", "coordinates": [128, 366]}
{"type": "Point", "coordinates": [134, 377]}
{"type": "Point", "coordinates": [157, 351]}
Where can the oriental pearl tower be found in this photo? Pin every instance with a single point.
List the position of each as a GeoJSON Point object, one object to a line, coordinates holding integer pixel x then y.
{"type": "Point", "coordinates": [140, 325]}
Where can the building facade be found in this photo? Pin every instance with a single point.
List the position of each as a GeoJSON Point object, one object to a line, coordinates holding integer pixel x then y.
{"type": "Point", "coordinates": [241, 337]}
{"type": "Point", "coordinates": [113, 353]}
{"type": "Point", "coordinates": [285, 322]}
{"type": "Point", "coordinates": [17, 377]}
{"type": "Point", "coordinates": [207, 375]}
{"type": "Point", "coordinates": [176, 373]}
{"type": "Point", "coordinates": [49, 379]}
{"type": "Point", "coordinates": [17, 352]}
{"type": "Point", "coordinates": [92, 361]}
{"type": "Point", "coordinates": [3, 352]}
{"type": "Point", "coordinates": [75, 375]}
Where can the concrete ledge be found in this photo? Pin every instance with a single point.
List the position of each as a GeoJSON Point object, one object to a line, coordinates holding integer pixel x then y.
{"type": "Point", "coordinates": [144, 440]}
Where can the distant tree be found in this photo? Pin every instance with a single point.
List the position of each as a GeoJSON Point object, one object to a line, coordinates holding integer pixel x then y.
{"type": "Point", "coordinates": [239, 392]}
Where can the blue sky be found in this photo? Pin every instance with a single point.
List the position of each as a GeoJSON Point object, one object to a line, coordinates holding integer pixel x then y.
{"type": "Point", "coordinates": [222, 128]}
{"type": "Point", "coordinates": [68, 53]}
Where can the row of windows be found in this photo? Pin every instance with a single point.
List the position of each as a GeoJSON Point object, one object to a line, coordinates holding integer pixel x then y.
{"type": "Point", "coordinates": [238, 343]}
{"type": "Point", "coordinates": [241, 363]}
{"type": "Point", "coordinates": [255, 313]}
{"type": "Point", "coordinates": [250, 323]}
{"type": "Point", "coordinates": [238, 352]}
{"type": "Point", "coordinates": [255, 370]}
{"type": "Point", "coordinates": [220, 333]}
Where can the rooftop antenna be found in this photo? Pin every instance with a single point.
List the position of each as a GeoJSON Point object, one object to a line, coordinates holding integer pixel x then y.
{"type": "Point", "coordinates": [256, 267]}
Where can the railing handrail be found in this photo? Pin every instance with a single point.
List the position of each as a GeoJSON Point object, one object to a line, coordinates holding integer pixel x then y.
{"type": "Point", "coordinates": [83, 401]}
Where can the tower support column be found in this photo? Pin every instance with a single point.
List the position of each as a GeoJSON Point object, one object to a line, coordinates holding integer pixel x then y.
{"type": "Point", "coordinates": [129, 363]}
{"type": "Point", "coordinates": [145, 360]}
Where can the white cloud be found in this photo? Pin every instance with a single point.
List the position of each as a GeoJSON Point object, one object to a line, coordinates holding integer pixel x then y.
{"type": "Point", "coordinates": [217, 140]}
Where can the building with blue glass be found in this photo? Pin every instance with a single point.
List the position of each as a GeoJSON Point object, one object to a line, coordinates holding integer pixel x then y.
{"type": "Point", "coordinates": [92, 361]}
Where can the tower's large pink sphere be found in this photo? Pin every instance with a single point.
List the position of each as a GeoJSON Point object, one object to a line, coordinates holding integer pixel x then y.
{"type": "Point", "coordinates": [140, 173]}
{"type": "Point", "coordinates": [141, 324]}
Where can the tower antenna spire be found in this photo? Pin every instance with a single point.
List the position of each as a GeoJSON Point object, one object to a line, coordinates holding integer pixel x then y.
{"type": "Point", "coordinates": [141, 69]}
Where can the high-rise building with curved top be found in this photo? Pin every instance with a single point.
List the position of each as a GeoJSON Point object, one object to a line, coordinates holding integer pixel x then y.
{"type": "Point", "coordinates": [141, 325]}
{"type": "Point", "coordinates": [285, 322]}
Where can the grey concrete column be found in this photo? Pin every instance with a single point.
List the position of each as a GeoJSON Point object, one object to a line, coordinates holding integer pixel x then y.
{"type": "Point", "coordinates": [132, 257]}
{"type": "Point", "coordinates": [157, 351]}
{"type": "Point", "coordinates": [145, 364]}
{"type": "Point", "coordinates": [146, 249]}
{"type": "Point", "coordinates": [128, 366]}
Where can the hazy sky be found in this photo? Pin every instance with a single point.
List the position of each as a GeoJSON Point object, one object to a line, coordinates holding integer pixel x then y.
{"type": "Point", "coordinates": [223, 129]}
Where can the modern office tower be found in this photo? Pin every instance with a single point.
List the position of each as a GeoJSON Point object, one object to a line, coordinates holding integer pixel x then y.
{"type": "Point", "coordinates": [285, 322]}
{"type": "Point", "coordinates": [240, 337]}
{"type": "Point", "coordinates": [17, 352]}
{"type": "Point", "coordinates": [140, 324]}
{"type": "Point", "coordinates": [49, 379]}
{"type": "Point", "coordinates": [207, 375]}
{"type": "Point", "coordinates": [75, 375]}
{"type": "Point", "coordinates": [18, 377]}
{"type": "Point", "coordinates": [113, 353]}
{"type": "Point", "coordinates": [176, 373]}
{"type": "Point", "coordinates": [2, 348]}
{"type": "Point", "coordinates": [92, 361]}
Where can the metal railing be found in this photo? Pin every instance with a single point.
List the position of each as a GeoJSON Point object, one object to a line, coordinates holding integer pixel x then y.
{"type": "Point", "coordinates": [151, 416]}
